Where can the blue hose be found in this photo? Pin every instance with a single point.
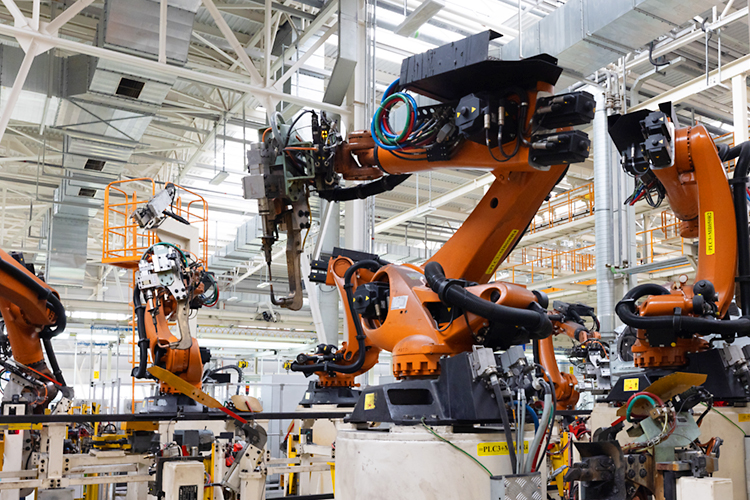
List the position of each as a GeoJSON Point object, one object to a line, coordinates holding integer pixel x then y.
{"type": "Point", "coordinates": [534, 416]}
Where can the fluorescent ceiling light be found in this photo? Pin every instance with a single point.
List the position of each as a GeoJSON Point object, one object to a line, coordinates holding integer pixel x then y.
{"type": "Point", "coordinates": [219, 178]}
{"type": "Point", "coordinates": [265, 284]}
{"type": "Point", "coordinates": [421, 15]}
{"type": "Point", "coordinates": [233, 298]}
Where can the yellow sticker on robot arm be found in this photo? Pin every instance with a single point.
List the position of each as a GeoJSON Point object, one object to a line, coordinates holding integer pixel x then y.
{"type": "Point", "coordinates": [501, 252]}
{"type": "Point", "coordinates": [710, 233]}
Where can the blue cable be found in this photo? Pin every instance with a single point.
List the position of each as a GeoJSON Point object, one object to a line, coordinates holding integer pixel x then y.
{"type": "Point", "coordinates": [390, 89]}
{"type": "Point", "coordinates": [534, 416]}
{"type": "Point", "coordinates": [415, 116]}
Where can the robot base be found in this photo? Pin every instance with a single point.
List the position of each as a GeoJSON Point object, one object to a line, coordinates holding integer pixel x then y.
{"type": "Point", "coordinates": [409, 462]}
{"type": "Point", "coordinates": [721, 381]}
{"type": "Point", "coordinates": [342, 397]}
{"type": "Point", "coordinates": [172, 403]}
{"type": "Point", "coordinates": [453, 397]}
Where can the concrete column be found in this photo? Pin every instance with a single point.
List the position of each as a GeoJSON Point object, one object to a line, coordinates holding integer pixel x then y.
{"type": "Point", "coordinates": [328, 297]}
{"type": "Point", "coordinates": [355, 222]}
{"type": "Point", "coordinates": [739, 108]}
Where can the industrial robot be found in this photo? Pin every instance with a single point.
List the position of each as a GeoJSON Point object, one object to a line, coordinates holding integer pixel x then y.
{"type": "Point", "coordinates": [32, 315]}
{"type": "Point", "coordinates": [684, 332]}
{"type": "Point", "coordinates": [444, 321]}
{"type": "Point", "coordinates": [173, 285]}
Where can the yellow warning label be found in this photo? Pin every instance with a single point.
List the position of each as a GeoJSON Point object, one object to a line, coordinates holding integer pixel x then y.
{"type": "Point", "coordinates": [500, 448]}
{"type": "Point", "coordinates": [630, 385]}
{"type": "Point", "coordinates": [96, 375]}
{"type": "Point", "coordinates": [501, 252]}
{"type": "Point", "coordinates": [710, 233]}
{"type": "Point", "coordinates": [370, 401]}
{"type": "Point", "coordinates": [743, 417]}
{"type": "Point", "coordinates": [242, 364]}
{"type": "Point", "coordinates": [473, 109]}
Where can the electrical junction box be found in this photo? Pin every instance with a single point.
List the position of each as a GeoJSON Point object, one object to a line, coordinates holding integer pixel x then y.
{"type": "Point", "coordinates": [183, 480]}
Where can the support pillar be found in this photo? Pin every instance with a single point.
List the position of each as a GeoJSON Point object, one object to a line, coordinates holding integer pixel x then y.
{"type": "Point", "coordinates": [355, 222]}
{"type": "Point", "coordinates": [739, 108]}
{"type": "Point", "coordinates": [328, 297]}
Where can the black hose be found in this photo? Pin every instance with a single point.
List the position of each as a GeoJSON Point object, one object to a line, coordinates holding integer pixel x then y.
{"type": "Point", "coordinates": [452, 293]}
{"type": "Point", "coordinates": [739, 186]}
{"type": "Point", "coordinates": [54, 365]}
{"type": "Point", "coordinates": [61, 320]}
{"type": "Point", "coordinates": [236, 368]}
{"type": "Point", "coordinates": [362, 191]}
{"type": "Point", "coordinates": [143, 342]}
{"type": "Point", "coordinates": [677, 323]}
{"type": "Point", "coordinates": [53, 302]}
{"type": "Point", "coordinates": [506, 424]}
{"type": "Point", "coordinates": [353, 368]}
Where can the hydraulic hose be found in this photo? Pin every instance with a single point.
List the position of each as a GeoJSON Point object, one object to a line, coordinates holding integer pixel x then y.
{"type": "Point", "coordinates": [677, 323]}
{"type": "Point", "coordinates": [541, 430]}
{"type": "Point", "coordinates": [143, 342]}
{"type": "Point", "coordinates": [506, 421]}
{"type": "Point", "coordinates": [362, 191]}
{"type": "Point", "coordinates": [56, 371]}
{"type": "Point", "coordinates": [739, 186]}
{"type": "Point", "coordinates": [452, 293]}
{"type": "Point", "coordinates": [53, 302]}
{"type": "Point", "coordinates": [224, 368]}
{"type": "Point", "coordinates": [354, 367]}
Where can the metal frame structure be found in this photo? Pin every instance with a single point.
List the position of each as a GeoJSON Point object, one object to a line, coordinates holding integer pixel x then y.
{"type": "Point", "coordinates": [247, 57]}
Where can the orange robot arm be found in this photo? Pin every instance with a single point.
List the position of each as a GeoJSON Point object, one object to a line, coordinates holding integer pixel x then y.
{"type": "Point", "coordinates": [567, 321]}
{"type": "Point", "coordinates": [180, 356]}
{"type": "Point", "coordinates": [670, 322]}
{"type": "Point", "coordinates": [33, 314]}
{"type": "Point", "coordinates": [447, 305]}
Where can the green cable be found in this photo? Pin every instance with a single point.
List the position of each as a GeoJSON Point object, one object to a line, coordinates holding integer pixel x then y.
{"type": "Point", "coordinates": [632, 403]}
{"type": "Point", "coordinates": [726, 418]}
{"type": "Point", "coordinates": [432, 431]}
{"type": "Point", "coordinates": [377, 119]}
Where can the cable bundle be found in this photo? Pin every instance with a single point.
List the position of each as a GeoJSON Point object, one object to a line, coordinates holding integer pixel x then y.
{"type": "Point", "coordinates": [647, 192]}
{"type": "Point", "coordinates": [417, 132]}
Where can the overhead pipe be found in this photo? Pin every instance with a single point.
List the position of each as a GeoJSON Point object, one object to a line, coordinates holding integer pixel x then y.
{"type": "Point", "coordinates": [603, 221]}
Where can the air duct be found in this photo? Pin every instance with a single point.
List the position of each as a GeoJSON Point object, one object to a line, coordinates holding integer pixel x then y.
{"type": "Point", "coordinates": [586, 35]}
{"type": "Point", "coordinates": [102, 109]}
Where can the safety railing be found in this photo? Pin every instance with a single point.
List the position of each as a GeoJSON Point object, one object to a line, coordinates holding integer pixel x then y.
{"type": "Point", "coordinates": [124, 241]}
{"type": "Point", "coordinates": [566, 207]}
{"type": "Point", "coordinates": [542, 263]}
{"type": "Point", "coordinates": [654, 237]}
{"type": "Point", "coordinates": [533, 264]}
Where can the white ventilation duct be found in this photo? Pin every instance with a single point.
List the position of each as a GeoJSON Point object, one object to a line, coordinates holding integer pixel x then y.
{"type": "Point", "coordinates": [586, 35]}
{"type": "Point", "coordinates": [102, 108]}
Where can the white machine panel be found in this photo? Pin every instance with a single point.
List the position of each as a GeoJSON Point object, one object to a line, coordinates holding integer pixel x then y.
{"type": "Point", "coordinates": [183, 481]}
